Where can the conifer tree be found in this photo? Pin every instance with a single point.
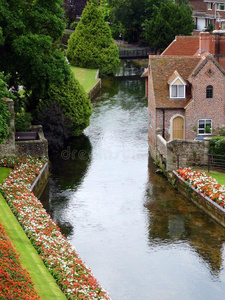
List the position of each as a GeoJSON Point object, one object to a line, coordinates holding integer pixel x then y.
{"type": "Point", "coordinates": [92, 45]}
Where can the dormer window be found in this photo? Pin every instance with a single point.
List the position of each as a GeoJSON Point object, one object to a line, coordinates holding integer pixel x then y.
{"type": "Point", "coordinates": [177, 86]}
{"type": "Point", "coordinates": [177, 91]}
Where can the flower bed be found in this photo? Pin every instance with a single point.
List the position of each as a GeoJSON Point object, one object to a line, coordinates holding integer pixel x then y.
{"type": "Point", "coordinates": [15, 282]}
{"type": "Point", "coordinates": [204, 184]}
{"type": "Point", "coordinates": [71, 274]}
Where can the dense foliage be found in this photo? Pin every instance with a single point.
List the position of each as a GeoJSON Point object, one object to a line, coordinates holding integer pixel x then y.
{"type": "Point", "coordinates": [30, 53]}
{"type": "Point", "coordinates": [15, 282]}
{"type": "Point", "coordinates": [53, 121]}
{"type": "Point", "coordinates": [217, 145]}
{"type": "Point", "coordinates": [74, 103]}
{"type": "Point", "coordinates": [131, 17]}
{"type": "Point", "coordinates": [4, 118]}
{"type": "Point", "coordinates": [91, 45]}
{"type": "Point", "coordinates": [4, 113]}
{"type": "Point", "coordinates": [167, 21]}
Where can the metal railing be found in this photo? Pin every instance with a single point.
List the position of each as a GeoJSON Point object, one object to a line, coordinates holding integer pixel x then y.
{"type": "Point", "coordinates": [134, 53]}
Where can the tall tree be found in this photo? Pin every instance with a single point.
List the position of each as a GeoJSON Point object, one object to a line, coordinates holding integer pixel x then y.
{"type": "Point", "coordinates": [167, 21]}
{"type": "Point", "coordinates": [29, 34]}
{"type": "Point", "coordinates": [91, 45]}
{"type": "Point", "coordinates": [29, 52]}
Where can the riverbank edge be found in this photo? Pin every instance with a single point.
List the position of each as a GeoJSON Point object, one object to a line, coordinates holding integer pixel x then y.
{"type": "Point", "coordinates": [41, 180]}
{"type": "Point", "coordinates": [210, 207]}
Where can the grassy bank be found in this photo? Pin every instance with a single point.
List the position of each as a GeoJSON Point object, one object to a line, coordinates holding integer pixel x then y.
{"type": "Point", "coordinates": [86, 77]}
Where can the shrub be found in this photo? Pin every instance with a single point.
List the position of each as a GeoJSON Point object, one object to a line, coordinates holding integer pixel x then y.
{"type": "Point", "coordinates": [22, 120]}
{"type": "Point", "coordinates": [92, 45]}
{"type": "Point", "coordinates": [217, 145]}
{"type": "Point", "coordinates": [75, 105]}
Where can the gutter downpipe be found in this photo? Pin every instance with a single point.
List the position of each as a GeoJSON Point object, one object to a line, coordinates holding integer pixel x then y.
{"type": "Point", "coordinates": [163, 132]}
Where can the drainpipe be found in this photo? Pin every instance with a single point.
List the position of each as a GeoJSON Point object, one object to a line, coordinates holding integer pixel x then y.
{"type": "Point", "coordinates": [163, 131]}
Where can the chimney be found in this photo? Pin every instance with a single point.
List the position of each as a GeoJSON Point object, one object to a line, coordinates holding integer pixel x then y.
{"type": "Point", "coordinates": [204, 42]}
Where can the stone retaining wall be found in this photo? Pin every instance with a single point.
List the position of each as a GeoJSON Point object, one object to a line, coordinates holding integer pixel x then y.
{"type": "Point", "coordinates": [35, 147]}
{"type": "Point", "coordinates": [41, 181]}
{"type": "Point", "coordinates": [203, 202]}
{"type": "Point", "coordinates": [95, 89]}
{"type": "Point", "coordinates": [190, 152]}
{"type": "Point", "coordinates": [21, 148]}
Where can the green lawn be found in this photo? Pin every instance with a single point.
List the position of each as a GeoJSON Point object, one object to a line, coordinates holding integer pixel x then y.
{"type": "Point", "coordinates": [4, 172]}
{"type": "Point", "coordinates": [220, 177]}
{"type": "Point", "coordinates": [86, 77]}
{"type": "Point", "coordinates": [29, 258]}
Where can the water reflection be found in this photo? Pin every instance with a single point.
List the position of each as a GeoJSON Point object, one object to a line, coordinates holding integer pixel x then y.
{"type": "Point", "coordinates": [173, 219]}
{"type": "Point", "coordinates": [68, 169]}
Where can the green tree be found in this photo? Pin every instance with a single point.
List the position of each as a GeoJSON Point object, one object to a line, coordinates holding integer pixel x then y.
{"type": "Point", "coordinates": [91, 45]}
{"type": "Point", "coordinates": [74, 103]}
{"type": "Point", "coordinates": [29, 49]}
{"type": "Point", "coordinates": [131, 14]}
{"type": "Point", "coordinates": [28, 46]}
{"type": "Point", "coordinates": [167, 21]}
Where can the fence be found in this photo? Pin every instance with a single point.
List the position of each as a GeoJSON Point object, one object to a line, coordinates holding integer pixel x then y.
{"type": "Point", "coordinates": [216, 161]}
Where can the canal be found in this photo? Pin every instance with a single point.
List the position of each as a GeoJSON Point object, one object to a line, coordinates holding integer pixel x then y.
{"type": "Point", "coordinates": [140, 238]}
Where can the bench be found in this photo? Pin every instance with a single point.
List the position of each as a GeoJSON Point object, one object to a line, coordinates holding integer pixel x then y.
{"type": "Point", "coordinates": [26, 136]}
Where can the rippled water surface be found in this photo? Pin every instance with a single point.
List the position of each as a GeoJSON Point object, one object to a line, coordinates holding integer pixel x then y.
{"type": "Point", "coordinates": [140, 238]}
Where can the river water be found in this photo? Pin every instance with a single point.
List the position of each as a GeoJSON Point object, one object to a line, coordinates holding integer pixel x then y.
{"type": "Point", "coordinates": [141, 239]}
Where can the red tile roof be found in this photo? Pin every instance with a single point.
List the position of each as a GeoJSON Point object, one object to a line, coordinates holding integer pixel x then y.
{"type": "Point", "coordinates": [162, 68]}
{"type": "Point", "coordinates": [183, 45]}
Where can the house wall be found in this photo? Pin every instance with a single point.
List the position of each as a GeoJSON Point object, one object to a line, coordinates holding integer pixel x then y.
{"type": "Point", "coordinates": [152, 124]}
{"type": "Point", "coordinates": [201, 107]}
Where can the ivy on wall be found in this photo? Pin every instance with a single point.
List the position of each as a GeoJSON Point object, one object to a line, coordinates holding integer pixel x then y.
{"type": "Point", "coordinates": [4, 119]}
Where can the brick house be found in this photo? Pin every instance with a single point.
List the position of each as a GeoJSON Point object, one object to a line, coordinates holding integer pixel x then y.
{"type": "Point", "coordinates": [207, 12]}
{"type": "Point", "coordinates": [186, 92]}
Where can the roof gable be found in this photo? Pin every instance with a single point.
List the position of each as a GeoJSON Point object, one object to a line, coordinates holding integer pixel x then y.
{"type": "Point", "coordinates": [176, 79]}
{"type": "Point", "coordinates": [201, 65]}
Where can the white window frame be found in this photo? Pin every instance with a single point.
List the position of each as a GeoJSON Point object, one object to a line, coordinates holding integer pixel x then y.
{"type": "Point", "coordinates": [218, 6]}
{"type": "Point", "coordinates": [210, 5]}
{"type": "Point", "coordinates": [178, 96]}
{"type": "Point", "coordinates": [203, 128]}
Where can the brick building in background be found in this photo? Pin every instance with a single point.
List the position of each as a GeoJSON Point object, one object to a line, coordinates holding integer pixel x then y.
{"type": "Point", "coordinates": [186, 88]}
{"type": "Point", "coordinates": [207, 12]}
